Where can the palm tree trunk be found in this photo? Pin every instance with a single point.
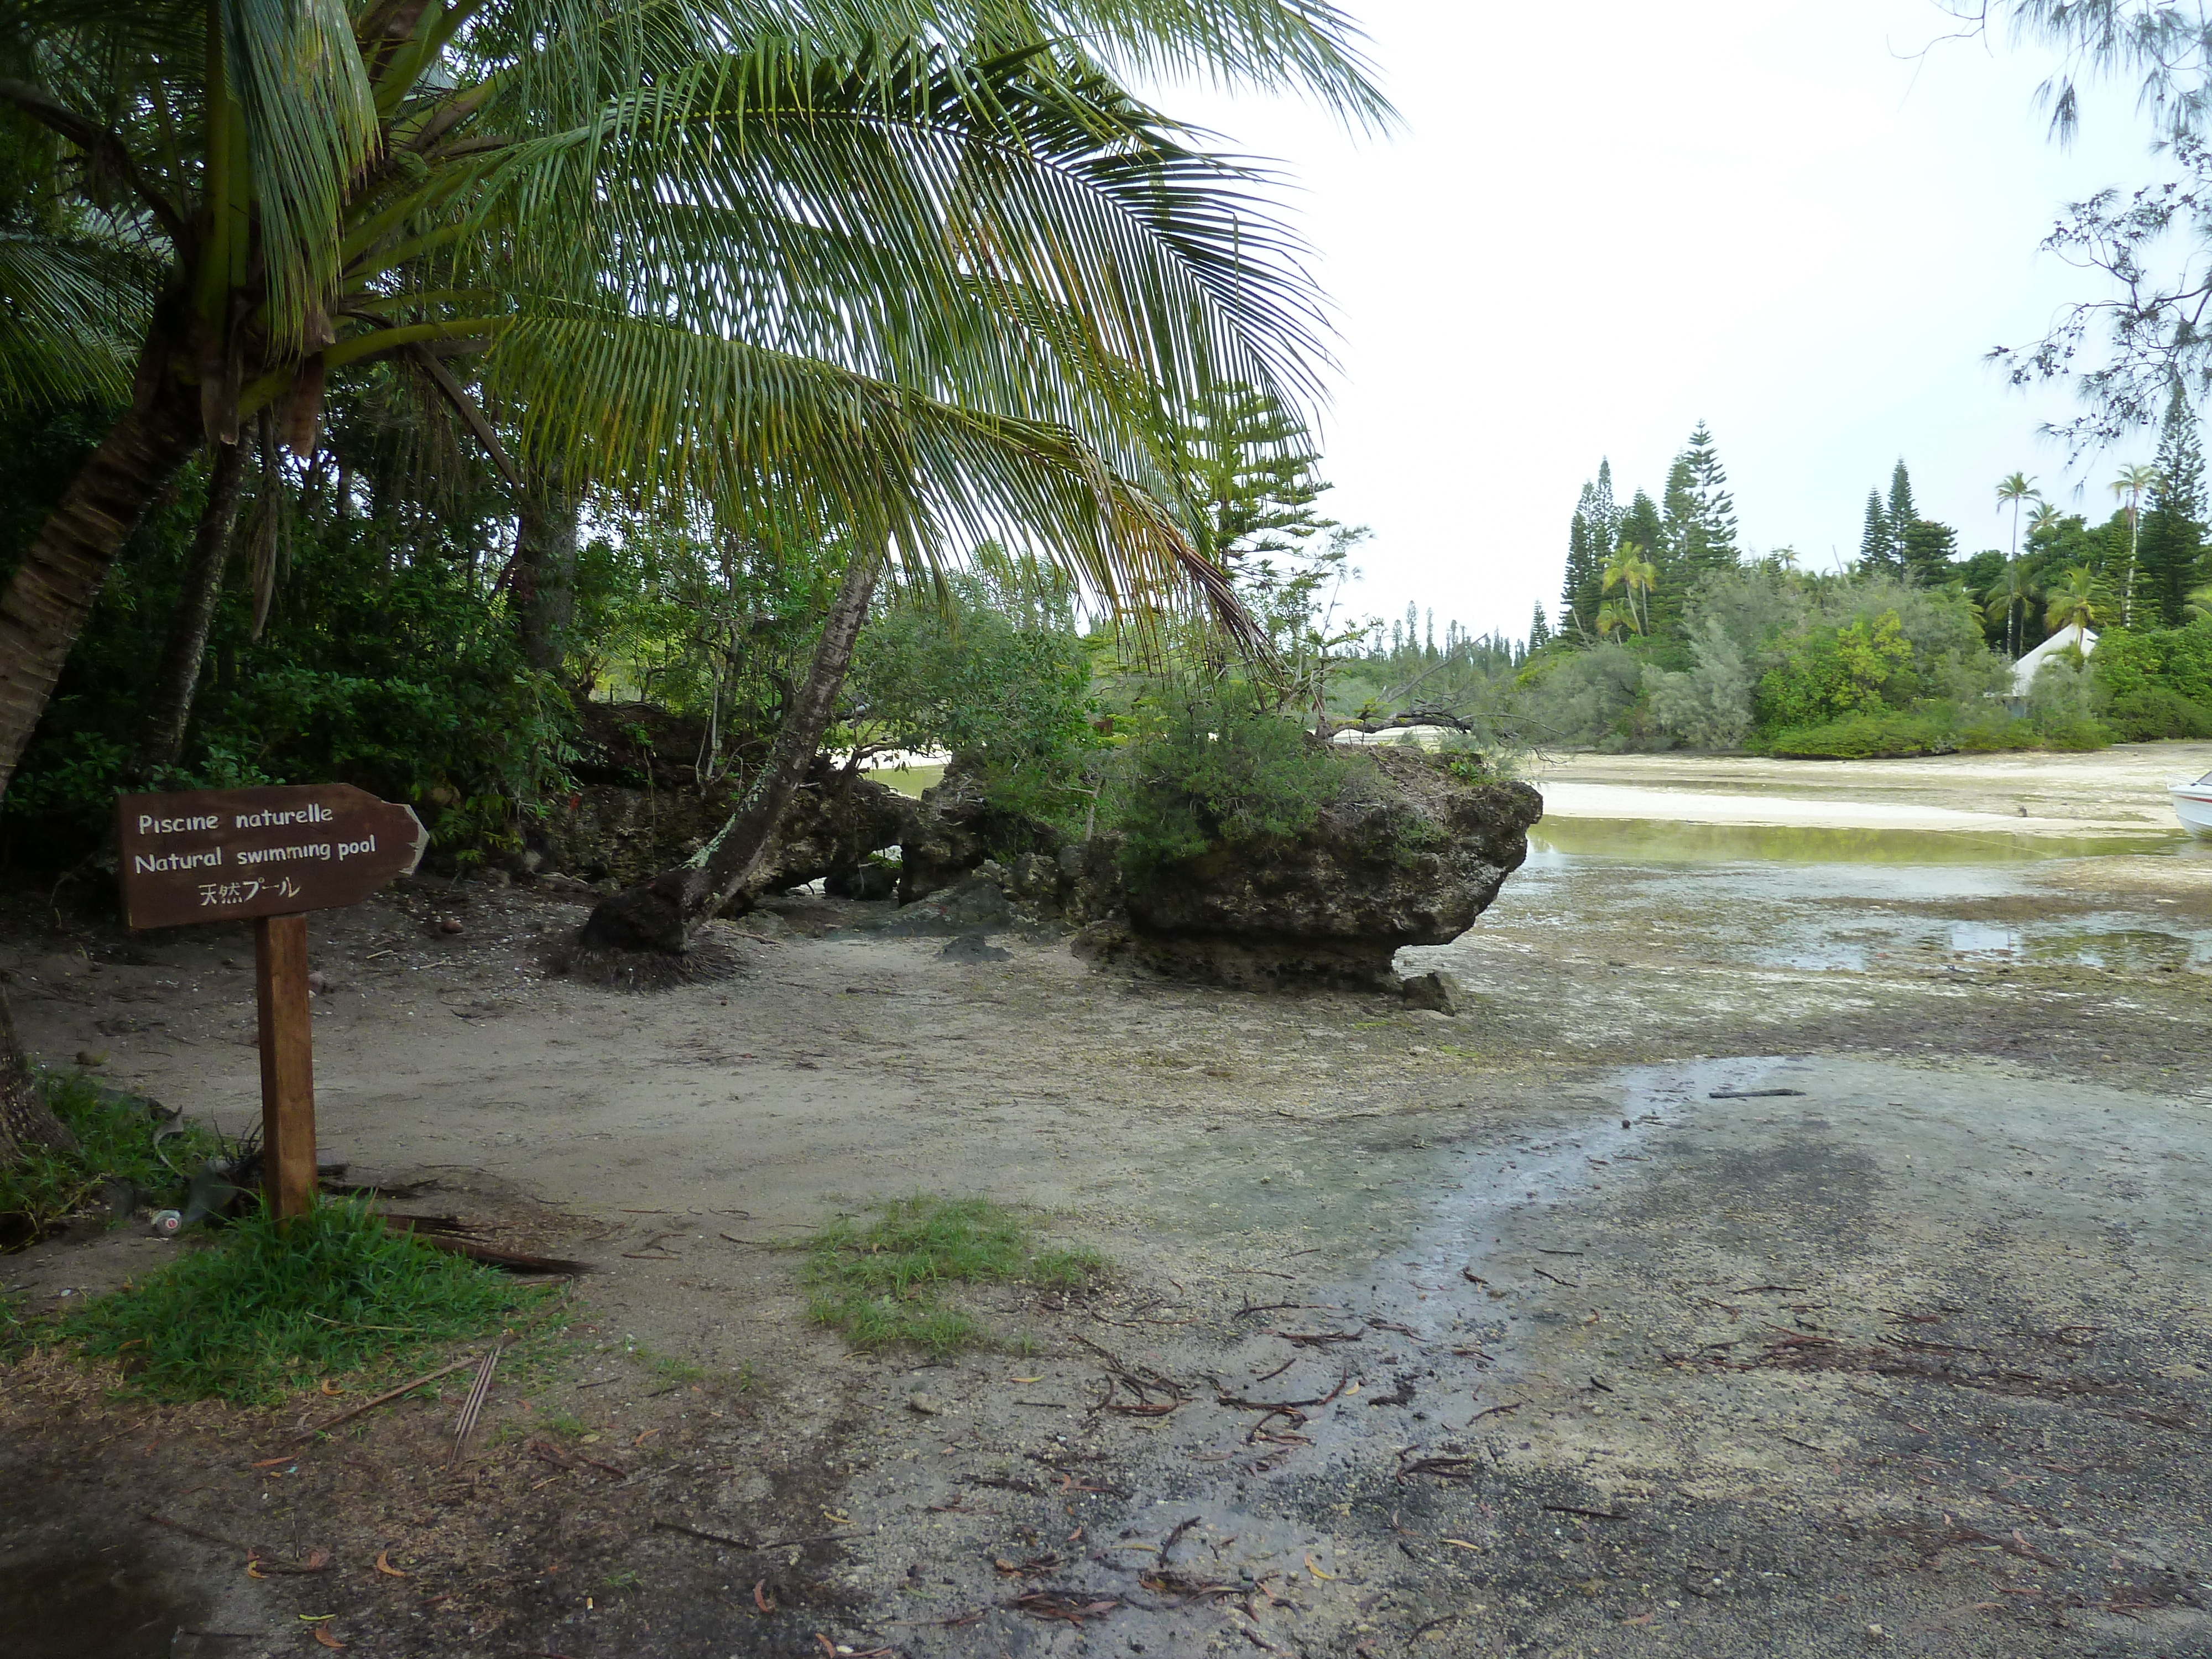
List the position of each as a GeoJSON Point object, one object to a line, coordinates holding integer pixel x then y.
{"type": "Point", "coordinates": [659, 914]}
{"type": "Point", "coordinates": [27, 1122]}
{"type": "Point", "coordinates": [545, 533]}
{"type": "Point", "coordinates": [51, 591]}
{"type": "Point", "coordinates": [169, 703]}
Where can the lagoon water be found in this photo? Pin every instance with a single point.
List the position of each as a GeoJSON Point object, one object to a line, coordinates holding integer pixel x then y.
{"type": "Point", "coordinates": [1856, 899]}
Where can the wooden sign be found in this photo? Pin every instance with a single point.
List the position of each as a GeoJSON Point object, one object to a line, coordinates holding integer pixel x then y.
{"type": "Point", "coordinates": [269, 854]}
{"type": "Point", "coordinates": [230, 854]}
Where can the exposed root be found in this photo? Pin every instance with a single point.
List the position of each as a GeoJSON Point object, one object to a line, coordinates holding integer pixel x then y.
{"type": "Point", "coordinates": [709, 957]}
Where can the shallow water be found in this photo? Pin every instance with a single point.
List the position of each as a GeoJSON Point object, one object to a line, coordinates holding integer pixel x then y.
{"type": "Point", "coordinates": [1843, 900]}
{"type": "Point", "coordinates": [1648, 841]}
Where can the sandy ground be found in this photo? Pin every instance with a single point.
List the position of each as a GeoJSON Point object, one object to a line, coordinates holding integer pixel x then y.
{"type": "Point", "coordinates": [2118, 791]}
{"type": "Point", "coordinates": [1798, 1258]}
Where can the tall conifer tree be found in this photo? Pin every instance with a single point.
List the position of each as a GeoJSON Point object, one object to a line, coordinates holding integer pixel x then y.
{"type": "Point", "coordinates": [1601, 510]}
{"type": "Point", "coordinates": [1875, 541]}
{"type": "Point", "coordinates": [1901, 513]}
{"type": "Point", "coordinates": [2171, 554]}
{"type": "Point", "coordinates": [1678, 511]}
{"type": "Point", "coordinates": [1715, 508]}
{"type": "Point", "coordinates": [1540, 628]}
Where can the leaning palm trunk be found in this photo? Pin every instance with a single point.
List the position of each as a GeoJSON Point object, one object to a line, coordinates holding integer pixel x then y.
{"type": "Point", "coordinates": [660, 915]}
{"type": "Point", "coordinates": [51, 591]}
{"type": "Point", "coordinates": [544, 590]}
{"type": "Point", "coordinates": [27, 1122]}
{"type": "Point", "coordinates": [169, 704]}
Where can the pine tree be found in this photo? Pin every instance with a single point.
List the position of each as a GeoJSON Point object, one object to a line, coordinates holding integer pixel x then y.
{"type": "Point", "coordinates": [1928, 547]}
{"type": "Point", "coordinates": [1678, 517]}
{"type": "Point", "coordinates": [1714, 512]}
{"type": "Point", "coordinates": [1599, 507]}
{"type": "Point", "coordinates": [1875, 541]}
{"type": "Point", "coordinates": [1901, 514]}
{"type": "Point", "coordinates": [1580, 593]}
{"type": "Point", "coordinates": [1249, 465]}
{"type": "Point", "coordinates": [2171, 549]}
{"type": "Point", "coordinates": [1540, 630]}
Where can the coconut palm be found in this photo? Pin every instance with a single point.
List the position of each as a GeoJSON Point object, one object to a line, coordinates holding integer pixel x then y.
{"type": "Point", "coordinates": [1616, 617]}
{"type": "Point", "coordinates": [1631, 571]}
{"type": "Point", "coordinates": [882, 277]}
{"type": "Point", "coordinates": [2079, 599]}
{"type": "Point", "coordinates": [2017, 489]}
{"type": "Point", "coordinates": [2130, 485]}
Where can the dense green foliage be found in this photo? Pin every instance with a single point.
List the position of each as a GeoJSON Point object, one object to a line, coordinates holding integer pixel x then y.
{"type": "Point", "coordinates": [1215, 767]}
{"type": "Point", "coordinates": [991, 669]}
{"type": "Point", "coordinates": [268, 1307]}
{"type": "Point", "coordinates": [114, 1143]}
{"type": "Point", "coordinates": [880, 1282]}
{"type": "Point", "coordinates": [2157, 682]}
{"type": "Point", "coordinates": [386, 660]}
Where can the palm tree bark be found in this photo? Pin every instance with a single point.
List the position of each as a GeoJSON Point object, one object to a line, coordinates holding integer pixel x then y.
{"type": "Point", "coordinates": [545, 569]}
{"type": "Point", "coordinates": [169, 704]}
{"type": "Point", "coordinates": [27, 1122]}
{"type": "Point", "coordinates": [51, 590]}
{"type": "Point", "coordinates": [658, 915]}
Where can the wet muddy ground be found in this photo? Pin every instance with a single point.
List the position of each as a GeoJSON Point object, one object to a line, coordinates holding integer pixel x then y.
{"type": "Point", "coordinates": [1781, 1256]}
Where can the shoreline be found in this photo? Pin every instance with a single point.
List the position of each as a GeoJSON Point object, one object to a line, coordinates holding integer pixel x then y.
{"type": "Point", "coordinates": [2115, 792]}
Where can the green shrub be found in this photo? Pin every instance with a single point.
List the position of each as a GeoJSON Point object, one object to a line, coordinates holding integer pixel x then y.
{"type": "Point", "coordinates": [1218, 769]}
{"type": "Point", "coordinates": [1879, 731]}
{"type": "Point", "coordinates": [996, 675]}
{"type": "Point", "coordinates": [268, 1306]}
{"type": "Point", "coordinates": [2145, 714]}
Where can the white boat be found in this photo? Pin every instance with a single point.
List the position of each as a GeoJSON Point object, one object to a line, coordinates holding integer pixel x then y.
{"type": "Point", "coordinates": [2192, 803]}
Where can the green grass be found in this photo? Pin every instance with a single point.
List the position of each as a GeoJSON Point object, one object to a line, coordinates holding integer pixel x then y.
{"type": "Point", "coordinates": [266, 1307]}
{"type": "Point", "coordinates": [115, 1142]}
{"type": "Point", "coordinates": [879, 1281]}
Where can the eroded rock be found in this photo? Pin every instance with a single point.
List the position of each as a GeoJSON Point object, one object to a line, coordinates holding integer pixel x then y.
{"type": "Point", "coordinates": [1407, 853]}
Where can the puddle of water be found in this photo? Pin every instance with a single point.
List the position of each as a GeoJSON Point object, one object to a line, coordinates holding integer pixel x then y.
{"type": "Point", "coordinates": [1646, 840]}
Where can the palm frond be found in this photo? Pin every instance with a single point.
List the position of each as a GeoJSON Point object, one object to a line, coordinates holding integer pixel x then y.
{"type": "Point", "coordinates": [71, 312]}
{"type": "Point", "coordinates": [310, 129]}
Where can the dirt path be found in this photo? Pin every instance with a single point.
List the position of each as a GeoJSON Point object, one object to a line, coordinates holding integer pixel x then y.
{"type": "Point", "coordinates": [1569, 1356]}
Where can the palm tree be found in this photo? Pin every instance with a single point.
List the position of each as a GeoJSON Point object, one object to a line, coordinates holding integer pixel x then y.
{"type": "Point", "coordinates": [2081, 598]}
{"type": "Point", "coordinates": [2128, 486]}
{"type": "Point", "coordinates": [880, 277]}
{"type": "Point", "coordinates": [1630, 570]}
{"type": "Point", "coordinates": [1613, 617]}
{"type": "Point", "coordinates": [2015, 488]}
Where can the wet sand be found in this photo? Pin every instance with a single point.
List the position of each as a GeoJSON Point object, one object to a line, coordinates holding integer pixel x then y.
{"type": "Point", "coordinates": [1542, 1329]}
{"type": "Point", "coordinates": [2120, 791]}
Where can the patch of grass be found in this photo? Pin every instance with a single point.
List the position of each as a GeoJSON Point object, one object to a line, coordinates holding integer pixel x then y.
{"type": "Point", "coordinates": [115, 1142]}
{"type": "Point", "coordinates": [671, 1368]}
{"type": "Point", "coordinates": [267, 1307]}
{"type": "Point", "coordinates": [879, 1281]}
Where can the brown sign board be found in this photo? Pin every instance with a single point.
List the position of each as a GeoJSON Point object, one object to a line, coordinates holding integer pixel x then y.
{"type": "Point", "coordinates": [227, 855]}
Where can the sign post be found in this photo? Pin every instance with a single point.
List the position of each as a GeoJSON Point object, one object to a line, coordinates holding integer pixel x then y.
{"type": "Point", "coordinates": [269, 854]}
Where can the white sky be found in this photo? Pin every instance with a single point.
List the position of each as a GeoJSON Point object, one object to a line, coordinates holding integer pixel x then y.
{"type": "Point", "coordinates": [1605, 221]}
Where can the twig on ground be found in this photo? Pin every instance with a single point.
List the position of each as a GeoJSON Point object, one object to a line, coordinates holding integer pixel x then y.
{"type": "Point", "coordinates": [389, 1395]}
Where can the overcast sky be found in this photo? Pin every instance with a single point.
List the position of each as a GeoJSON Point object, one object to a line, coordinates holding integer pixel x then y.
{"type": "Point", "coordinates": [1605, 221]}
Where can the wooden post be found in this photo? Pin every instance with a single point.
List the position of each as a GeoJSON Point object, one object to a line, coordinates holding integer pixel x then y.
{"type": "Point", "coordinates": [287, 1063]}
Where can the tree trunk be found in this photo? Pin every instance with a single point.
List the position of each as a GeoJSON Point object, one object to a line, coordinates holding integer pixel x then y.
{"type": "Point", "coordinates": [659, 914]}
{"type": "Point", "coordinates": [169, 703]}
{"type": "Point", "coordinates": [51, 591]}
{"type": "Point", "coordinates": [27, 1122]}
{"type": "Point", "coordinates": [545, 569]}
